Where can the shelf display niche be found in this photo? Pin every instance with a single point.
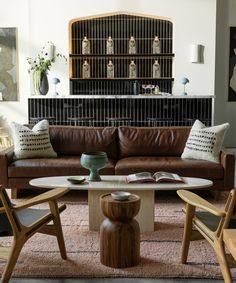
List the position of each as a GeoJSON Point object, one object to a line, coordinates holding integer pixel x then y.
{"type": "Point", "coordinates": [120, 27]}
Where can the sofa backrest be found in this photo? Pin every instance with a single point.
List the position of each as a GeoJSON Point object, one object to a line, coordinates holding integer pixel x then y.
{"type": "Point", "coordinates": [144, 141]}
{"type": "Point", "coordinates": [71, 140]}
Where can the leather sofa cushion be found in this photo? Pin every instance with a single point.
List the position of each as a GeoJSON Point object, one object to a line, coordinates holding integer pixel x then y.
{"type": "Point", "coordinates": [187, 168]}
{"type": "Point", "coordinates": [143, 141]}
{"type": "Point", "coordinates": [60, 166]}
{"type": "Point", "coordinates": [70, 140]}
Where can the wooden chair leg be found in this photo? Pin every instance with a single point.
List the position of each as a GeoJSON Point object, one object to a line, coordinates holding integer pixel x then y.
{"type": "Point", "coordinates": [11, 262]}
{"type": "Point", "coordinates": [187, 232]}
{"type": "Point", "coordinates": [58, 228]}
{"type": "Point", "coordinates": [220, 253]}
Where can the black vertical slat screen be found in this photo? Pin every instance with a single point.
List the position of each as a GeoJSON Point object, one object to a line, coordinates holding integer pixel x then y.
{"type": "Point", "coordinates": [127, 110]}
{"type": "Point", "coordinates": [135, 112]}
{"type": "Point", "coordinates": [120, 27]}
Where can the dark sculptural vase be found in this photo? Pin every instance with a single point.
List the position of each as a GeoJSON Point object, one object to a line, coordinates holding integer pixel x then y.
{"type": "Point", "coordinates": [44, 84]}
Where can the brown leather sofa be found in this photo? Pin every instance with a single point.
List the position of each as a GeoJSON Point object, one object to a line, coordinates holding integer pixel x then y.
{"type": "Point", "coordinates": [129, 149]}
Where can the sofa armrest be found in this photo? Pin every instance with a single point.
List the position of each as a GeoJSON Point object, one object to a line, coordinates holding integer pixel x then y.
{"type": "Point", "coordinates": [6, 157]}
{"type": "Point", "coordinates": [227, 160]}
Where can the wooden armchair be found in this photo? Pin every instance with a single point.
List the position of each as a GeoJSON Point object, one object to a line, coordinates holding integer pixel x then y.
{"type": "Point", "coordinates": [211, 223]}
{"type": "Point", "coordinates": [22, 222]}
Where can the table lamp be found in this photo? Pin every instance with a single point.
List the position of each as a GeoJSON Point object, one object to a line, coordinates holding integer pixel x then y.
{"type": "Point", "coordinates": [184, 81]}
{"type": "Point", "coordinates": [55, 81]}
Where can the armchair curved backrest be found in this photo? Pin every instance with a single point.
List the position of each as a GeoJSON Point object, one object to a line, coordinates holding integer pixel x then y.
{"type": "Point", "coordinates": [210, 222]}
{"type": "Point", "coordinates": [22, 222]}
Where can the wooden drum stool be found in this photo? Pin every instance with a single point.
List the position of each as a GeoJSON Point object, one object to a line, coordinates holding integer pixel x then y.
{"type": "Point", "coordinates": [119, 232]}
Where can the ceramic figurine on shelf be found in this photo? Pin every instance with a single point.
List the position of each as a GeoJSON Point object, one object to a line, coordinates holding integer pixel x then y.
{"type": "Point", "coordinates": [110, 46]}
{"type": "Point", "coordinates": [86, 70]}
{"type": "Point", "coordinates": [110, 70]}
{"type": "Point", "coordinates": [156, 89]}
{"type": "Point", "coordinates": [132, 70]}
{"type": "Point", "coordinates": [85, 46]}
{"type": "Point", "coordinates": [156, 46]}
{"type": "Point", "coordinates": [132, 45]}
{"type": "Point", "coordinates": [156, 70]}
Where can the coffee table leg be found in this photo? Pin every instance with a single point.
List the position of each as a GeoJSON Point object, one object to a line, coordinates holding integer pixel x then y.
{"type": "Point", "coordinates": [145, 216]}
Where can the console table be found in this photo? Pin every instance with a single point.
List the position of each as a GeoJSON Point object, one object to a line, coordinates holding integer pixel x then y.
{"type": "Point", "coordinates": [117, 110]}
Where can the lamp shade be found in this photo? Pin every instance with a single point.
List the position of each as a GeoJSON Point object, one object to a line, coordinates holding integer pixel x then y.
{"type": "Point", "coordinates": [55, 81]}
{"type": "Point", "coordinates": [184, 81]}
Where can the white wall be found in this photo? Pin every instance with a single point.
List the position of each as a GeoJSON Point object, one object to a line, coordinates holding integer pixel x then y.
{"type": "Point", "coordinates": [42, 21]}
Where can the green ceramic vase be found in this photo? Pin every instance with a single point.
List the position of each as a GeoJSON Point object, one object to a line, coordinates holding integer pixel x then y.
{"type": "Point", "coordinates": [94, 161]}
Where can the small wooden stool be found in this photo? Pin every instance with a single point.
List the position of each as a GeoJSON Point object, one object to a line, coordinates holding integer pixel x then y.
{"type": "Point", "coordinates": [119, 232]}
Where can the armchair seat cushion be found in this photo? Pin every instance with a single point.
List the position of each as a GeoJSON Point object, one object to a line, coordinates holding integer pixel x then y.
{"type": "Point", "coordinates": [183, 167]}
{"type": "Point", "coordinates": [28, 216]}
{"type": "Point", "coordinates": [60, 166]}
{"type": "Point", "coordinates": [208, 219]}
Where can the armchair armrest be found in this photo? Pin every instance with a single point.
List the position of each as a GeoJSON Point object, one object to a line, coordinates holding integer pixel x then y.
{"type": "Point", "coordinates": [6, 157]}
{"type": "Point", "coordinates": [227, 160]}
{"type": "Point", "coordinates": [45, 197]}
{"type": "Point", "coordinates": [197, 201]}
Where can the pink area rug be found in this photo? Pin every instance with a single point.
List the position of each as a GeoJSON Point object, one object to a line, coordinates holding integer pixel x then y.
{"type": "Point", "coordinates": [160, 250]}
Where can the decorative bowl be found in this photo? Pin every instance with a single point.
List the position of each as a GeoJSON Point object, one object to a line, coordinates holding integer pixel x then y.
{"type": "Point", "coordinates": [94, 161]}
{"type": "Point", "coordinates": [76, 179]}
{"type": "Point", "coordinates": [120, 195]}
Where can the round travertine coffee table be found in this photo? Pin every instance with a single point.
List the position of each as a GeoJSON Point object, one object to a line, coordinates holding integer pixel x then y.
{"type": "Point", "coordinates": [119, 232]}
{"type": "Point", "coordinates": [146, 191]}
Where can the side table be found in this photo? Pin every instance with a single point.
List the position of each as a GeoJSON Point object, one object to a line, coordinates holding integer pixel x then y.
{"type": "Point", "coordinates": [119, 232]}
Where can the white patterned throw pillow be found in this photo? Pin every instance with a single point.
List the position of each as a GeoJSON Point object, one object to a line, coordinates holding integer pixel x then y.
{"type": "Point", "coordinates": [30, 143]}
{"type": "Point", "coordinates": [205, 142]}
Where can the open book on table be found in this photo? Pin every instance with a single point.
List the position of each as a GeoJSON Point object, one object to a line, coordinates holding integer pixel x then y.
{"type": "Point", "coordinates": [157, 177]}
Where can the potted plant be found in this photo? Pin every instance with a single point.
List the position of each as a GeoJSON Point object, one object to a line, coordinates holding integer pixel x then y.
{"type": "Point", "coordinates": [40, 66]}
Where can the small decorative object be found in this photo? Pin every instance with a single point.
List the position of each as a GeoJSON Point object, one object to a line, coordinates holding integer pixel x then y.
{"type": "Point", "coordinates": [76, 179]}
{"type": "Point", "coordinates": [156, 45]}
{"type": "Point", "coordinates": [94, 161]}
{"type": "Point", "coordinates": [40, 67]}
{"type": "Point", "coordinates": [110, 46]}
{"type": "Point", "coordinates": [120, 195]}
{"type": "Point", "coordinates": [145, 87]}
{"type": "Point", "coordinates": [110, 70]}
{"type": "Point", "coordinates": [85, 46]}
{"type": "Point", "coordinates": [132, 70]}
{"type": "Point", "coordinates": [156, 70]}
{"type": "Point", "coordinates": [156, 90]}
{"type": "Point", "coordinates": [55, 81]}
{"type": "Point", "coordinates": [151, 88]}
{"type": "Point", "coordinates": [5, 141]}
{"type": "Point", "coordinates": [136, 88]}
{"type": "Point", "coordinates": [86, 70]}
{"type": "Point", "coordinates": [184, 81]}
{"type": "Point", "coordinates": [132, 45]}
